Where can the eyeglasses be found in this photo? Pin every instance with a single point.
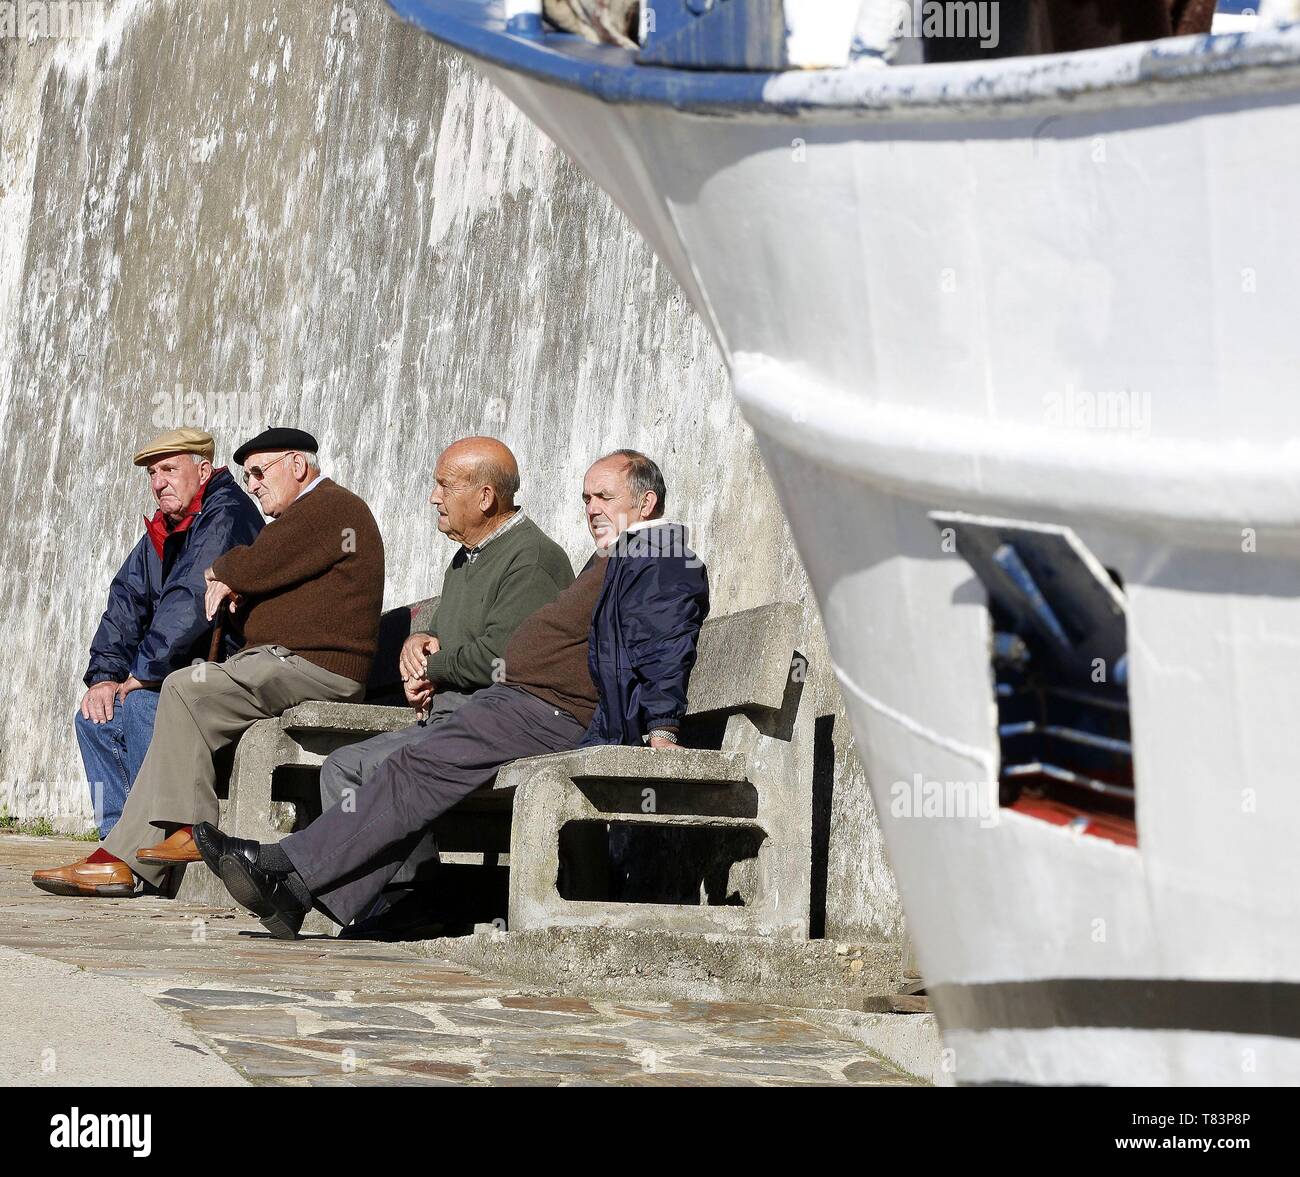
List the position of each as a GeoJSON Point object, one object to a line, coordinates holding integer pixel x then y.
{"type": "Point", "coordinates": [259, 472]}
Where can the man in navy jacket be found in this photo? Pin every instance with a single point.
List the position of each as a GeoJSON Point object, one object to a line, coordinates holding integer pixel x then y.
{"type": "Point", "coordinates": [155, 620]}
{"type": "Point", "coordinates": [655, 597]}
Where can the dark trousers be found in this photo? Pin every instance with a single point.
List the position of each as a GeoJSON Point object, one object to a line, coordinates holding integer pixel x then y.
{"type": "Point", "coordinates": [349, 854]}
{"type": "Point", "coordinates": [351, 768]}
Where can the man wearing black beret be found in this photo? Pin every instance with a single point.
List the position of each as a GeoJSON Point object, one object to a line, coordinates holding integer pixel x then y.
{"type": "Point", "coordinates": [308, 593]}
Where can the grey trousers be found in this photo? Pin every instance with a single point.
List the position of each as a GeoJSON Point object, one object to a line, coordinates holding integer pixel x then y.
{"type": "Point", "coordinates": [201, 710]}
{"type": "Point", "coordinates": [349, 854]}
{"type": "Point", "coordinates": [350, 768]}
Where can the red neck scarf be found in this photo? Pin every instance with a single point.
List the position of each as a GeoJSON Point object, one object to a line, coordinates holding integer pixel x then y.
{"type": "Point", "coordinates": [159, 527]}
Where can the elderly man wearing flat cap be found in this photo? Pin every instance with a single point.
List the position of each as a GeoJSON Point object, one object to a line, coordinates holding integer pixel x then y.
{"type": "Point", "coordinates": [307, 593]}
{"type": "Point", "coordinates": [155, 620]}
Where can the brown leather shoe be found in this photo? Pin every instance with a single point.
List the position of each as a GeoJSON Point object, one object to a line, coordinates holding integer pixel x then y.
{"type": "Point", "coordinates": [172, 851]}
{"type": "Point", "coordinates": [103, 880]}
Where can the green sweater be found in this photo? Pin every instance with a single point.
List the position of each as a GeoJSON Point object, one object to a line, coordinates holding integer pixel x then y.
{"type": "Point", "coordinates": [484, 600]}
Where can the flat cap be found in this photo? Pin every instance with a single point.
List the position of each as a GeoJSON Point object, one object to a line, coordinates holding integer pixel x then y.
{"type": "Point", "coordinates": [277, 439]}
{"type": "Point", "coordinates": [176, 441]}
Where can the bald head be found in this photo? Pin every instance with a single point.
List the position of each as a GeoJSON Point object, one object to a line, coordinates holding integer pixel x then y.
{"type": "Point", "coordinates": [486, 461]}
{"type": "Point", "coordinates": [475, 483]}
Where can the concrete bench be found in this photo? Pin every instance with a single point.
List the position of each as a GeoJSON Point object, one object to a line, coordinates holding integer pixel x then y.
{"type": "Point", "coordinates": [273, 779]}
{"type": "Point", "coordinates": [731, 811]}
{"type": "Point", "coordinates": [712, 837]}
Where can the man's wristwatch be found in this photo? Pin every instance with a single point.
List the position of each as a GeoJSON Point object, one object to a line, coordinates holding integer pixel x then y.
{"type": "Point", "coordinates": [663, 733]}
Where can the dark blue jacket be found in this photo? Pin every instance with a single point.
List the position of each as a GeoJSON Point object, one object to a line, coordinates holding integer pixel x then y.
{"type": "Point", "coordinates": [155, 621]}
{"type": "Point", "coordinates": [644, 631]}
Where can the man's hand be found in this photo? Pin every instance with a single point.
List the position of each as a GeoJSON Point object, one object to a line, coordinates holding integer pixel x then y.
{"type": "Point", "coordinates": [218, 592]}
{"type": "Point", "coordinates": [661, 742]}
{"type": "Point", "coordinates": [415, 650]}
{"type": "Point", "coordinates": [418, 692]}
{"type": "Point", "coordinates": [97, 702]}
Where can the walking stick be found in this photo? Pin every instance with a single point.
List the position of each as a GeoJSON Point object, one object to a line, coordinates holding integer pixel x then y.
{"type": "Point", "coordinates": [214, 650]}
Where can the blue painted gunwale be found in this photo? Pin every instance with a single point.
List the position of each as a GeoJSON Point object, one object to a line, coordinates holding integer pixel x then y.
{"type": "Point", "coordinates": [612, 74]}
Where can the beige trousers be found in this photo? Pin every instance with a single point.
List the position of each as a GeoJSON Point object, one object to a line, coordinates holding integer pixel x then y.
{"type": "Point", "coordinates": [201, 710]}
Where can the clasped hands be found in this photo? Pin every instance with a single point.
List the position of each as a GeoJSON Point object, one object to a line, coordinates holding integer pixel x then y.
{"type": "Point", "coordinates": [411, 662]}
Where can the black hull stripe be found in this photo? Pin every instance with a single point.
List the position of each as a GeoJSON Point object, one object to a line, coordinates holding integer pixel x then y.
{"type": "Point", "coordinates": [1227, 1007]}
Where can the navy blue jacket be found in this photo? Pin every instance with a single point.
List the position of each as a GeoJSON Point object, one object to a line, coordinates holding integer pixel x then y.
{"type": "Point", "coordinates": [155, 621]}
{"type": "Point", "coordinates": [644, 631]}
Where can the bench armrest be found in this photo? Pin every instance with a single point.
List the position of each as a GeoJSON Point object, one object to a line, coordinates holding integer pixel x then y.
{"type": "Point", "coordinates": [702, 765]}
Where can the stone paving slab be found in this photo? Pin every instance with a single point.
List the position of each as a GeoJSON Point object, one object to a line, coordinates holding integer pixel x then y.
{"type": "Point", "coordinates": [327, 1012]}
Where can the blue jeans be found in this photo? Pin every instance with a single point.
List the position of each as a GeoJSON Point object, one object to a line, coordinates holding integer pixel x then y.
{"type": "Point", "coordinates": [112, 753]}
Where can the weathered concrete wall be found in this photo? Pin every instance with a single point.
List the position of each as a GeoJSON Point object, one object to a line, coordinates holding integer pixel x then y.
{"type": "Point", "coordinates": [228, 215]}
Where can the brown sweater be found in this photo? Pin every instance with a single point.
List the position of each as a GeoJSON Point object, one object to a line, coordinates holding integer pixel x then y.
{"type": "Point", "coordinates": [547, 654]}
{"type": "Point", "coordinates": [314, 581]}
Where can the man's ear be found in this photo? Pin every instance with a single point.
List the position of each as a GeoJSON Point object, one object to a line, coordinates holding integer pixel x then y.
{"type": "Point", "coordinates": [649, 504]}
{"type": "Point", "coordinates": [205, 471]}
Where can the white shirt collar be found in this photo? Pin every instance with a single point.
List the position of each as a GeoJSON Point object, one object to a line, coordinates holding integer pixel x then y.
{"type": "Point", "coordinates": [653, 523]}
{"type": "Point", "coordinates": [311, 486]}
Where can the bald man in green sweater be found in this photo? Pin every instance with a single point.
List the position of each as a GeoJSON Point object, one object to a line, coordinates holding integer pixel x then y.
{"type": "Point", "coordinates": [505, 569]}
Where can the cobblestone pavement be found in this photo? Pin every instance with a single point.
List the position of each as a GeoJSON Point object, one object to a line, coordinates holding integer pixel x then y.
{"type": "Point", "coordinates": [323, 1012]}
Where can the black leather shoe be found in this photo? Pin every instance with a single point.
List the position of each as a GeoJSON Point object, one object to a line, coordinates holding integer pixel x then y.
{"type": "Point", "coordinates": [266, 895]}
{"type": "Point", "coordinates": [213, 845]}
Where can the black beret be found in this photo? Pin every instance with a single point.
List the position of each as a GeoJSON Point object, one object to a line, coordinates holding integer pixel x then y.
{"type": "Point", "coordinates": [277, 439]}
